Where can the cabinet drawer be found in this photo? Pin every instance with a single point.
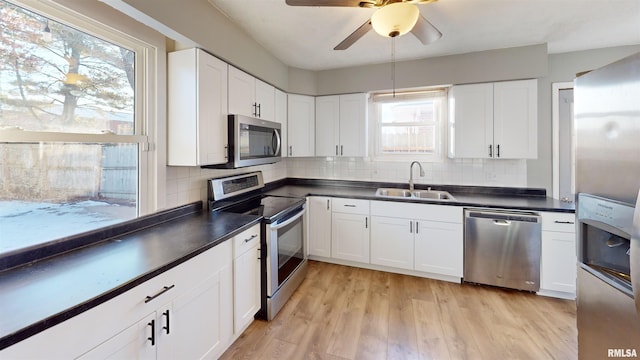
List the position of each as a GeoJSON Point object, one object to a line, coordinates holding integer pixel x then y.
{"type": "Point", "coordinates": [246, 240]}
{"type": "Point", "coordinates": [563, 222]}
{"type": "Point", "coordinates": [350, 206]}
{"type": "Point", "coordinates": [429, 212]}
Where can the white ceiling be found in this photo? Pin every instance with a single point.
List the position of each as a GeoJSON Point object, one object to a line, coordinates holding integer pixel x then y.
{"type": "Point", "coordinates": [304, 37]}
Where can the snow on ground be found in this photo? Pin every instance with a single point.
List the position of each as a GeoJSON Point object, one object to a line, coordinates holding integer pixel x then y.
{"type": "Point", "coordinates": [25, 223]}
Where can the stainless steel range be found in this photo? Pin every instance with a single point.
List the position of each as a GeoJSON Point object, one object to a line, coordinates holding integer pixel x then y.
{"type": "Point", "coordinates": [283, 256]}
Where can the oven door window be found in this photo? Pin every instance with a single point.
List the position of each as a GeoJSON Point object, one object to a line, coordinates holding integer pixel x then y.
{"type": "Point", "coordinates": [290, 251]}
{"type": "Point", "coordinates": [258, 142]}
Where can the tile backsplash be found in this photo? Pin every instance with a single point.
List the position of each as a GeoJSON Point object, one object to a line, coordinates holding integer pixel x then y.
{"type": "Point", "coordinates": [477, 172]}
{"type": "Point", "coordinates": [188, 184]}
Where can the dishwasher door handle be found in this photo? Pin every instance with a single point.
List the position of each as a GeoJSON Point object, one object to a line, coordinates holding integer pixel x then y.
{"type": "Point", "coordinates": [502, 222]}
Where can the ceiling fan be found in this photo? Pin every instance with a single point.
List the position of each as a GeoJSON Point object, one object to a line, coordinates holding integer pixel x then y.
{"type": "Point", "coordinates": [393, 18]}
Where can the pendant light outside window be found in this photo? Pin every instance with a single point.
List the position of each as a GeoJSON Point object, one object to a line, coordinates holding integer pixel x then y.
{"type": "Point", "coordinates": [395, 19]}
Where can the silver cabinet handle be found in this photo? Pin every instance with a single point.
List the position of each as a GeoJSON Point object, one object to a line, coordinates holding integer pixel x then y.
{"type": "Point", "coordinates": [417, 229]}
{"type": "Point", "coordinates": [366, 222]}
{"type": "Point", "coordinates": [251, 238]}
{"type": "Point", "coordinates": [349, 205]}
{"type": "Point", "coordinates": [498, 150]}
{"type": "Point", "coordinates": [290, 150]}
{"type": "Point", "coordinates": [336, 150]}
{"type": "Point", "coordinates": [490, 150]}
{"type": "Point", "coordinates": [411, 227]}
{"type": "Point", "coordinates": [328, 204]}
{"type": "Point", "coordinates": [564, 222]}
{"type": "Point", "coordinates": [341, 150]}
{"type": "Point", "coordinates": [164, 290]}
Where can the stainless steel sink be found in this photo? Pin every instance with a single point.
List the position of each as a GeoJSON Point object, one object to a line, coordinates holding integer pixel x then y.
{"type": "Point", "coordinates": [393, 192]}
{"type": "Point", "coordinates": [415, 194]}
{"type": "Point", "coordinates": [432, 194]}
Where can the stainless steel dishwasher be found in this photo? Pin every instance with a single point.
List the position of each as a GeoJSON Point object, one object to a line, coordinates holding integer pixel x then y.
{"type": "Point", "coordinates": [502, 248]}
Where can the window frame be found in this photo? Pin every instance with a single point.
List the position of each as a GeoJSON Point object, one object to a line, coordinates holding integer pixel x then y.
{"type": "Point", "coordinates": [377, 99]}
{"type": "Point", "coordinates": [144, 89]}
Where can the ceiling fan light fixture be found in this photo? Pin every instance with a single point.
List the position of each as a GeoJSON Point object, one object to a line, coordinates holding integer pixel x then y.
{"type": "Point", "coordinates": [395, 19]}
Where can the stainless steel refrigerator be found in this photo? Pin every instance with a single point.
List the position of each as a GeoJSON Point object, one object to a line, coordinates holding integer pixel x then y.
{"type": "Point", "coordinates": [607, 124]}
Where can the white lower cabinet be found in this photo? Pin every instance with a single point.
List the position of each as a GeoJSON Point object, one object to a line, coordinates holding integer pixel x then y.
{"type": "Point", "coordinates": [246, 278]}
{"type": "Point", "coordinates": [195, 324]}
{"type": "Point", "coordinates": [350, 230]}
{"type": "Point", "coordinates": [421, 237]}
{"type": "Point", "coordinates": [392, 242]}
{"type": "Point", "coordinates": [439, 248]}
{"type": "Point", "coordinates": [186, 312]}
{"type": "Point", "coordinates": [319, 237]}
{"type": "Point", "coordinates": [558, 263]}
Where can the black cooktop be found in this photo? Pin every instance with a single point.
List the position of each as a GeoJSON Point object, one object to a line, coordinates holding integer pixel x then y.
{"type": "Point", "coordinates": [272, 208]}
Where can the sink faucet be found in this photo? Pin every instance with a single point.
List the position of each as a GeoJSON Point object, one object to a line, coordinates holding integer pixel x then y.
{"type": "Point", "coordinates": [411, 174]}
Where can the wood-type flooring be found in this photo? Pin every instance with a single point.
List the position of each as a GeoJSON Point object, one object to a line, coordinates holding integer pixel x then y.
{"type": "Point", "coordinates": [342, 312]}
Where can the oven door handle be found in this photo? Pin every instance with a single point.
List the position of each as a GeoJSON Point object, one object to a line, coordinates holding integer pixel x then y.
{"type": "Point", "coordinates": [289, 221]}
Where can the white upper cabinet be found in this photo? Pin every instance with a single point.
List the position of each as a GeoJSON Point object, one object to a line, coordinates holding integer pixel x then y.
{"type": "Point", "coordinates": [281, 117]}
{"type": "Point", "coordinates": [197, 109]}
{"type": "Point", "coordinates": [300, 125]}
{"type": "Point", "coordinates": [494, 120]}
{"type": "Point", "coordinates": [341, 125]}
{"type": "Point", "coordinates": [249, 96]}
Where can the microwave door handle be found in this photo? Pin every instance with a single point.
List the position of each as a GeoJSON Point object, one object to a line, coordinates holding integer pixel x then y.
{"type": "Point", "coordinates": [288, 221]}
{"type": "Point", "coordinates": [276, 136]}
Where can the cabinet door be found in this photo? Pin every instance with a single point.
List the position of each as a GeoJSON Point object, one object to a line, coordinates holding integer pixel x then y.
{"type": "Point", "coordinates": [196, 109]}
{"type": "Point", "coordinates": [212, 110]}
{"type": "Point", "coordinates": [558, 261]}
{"type": "Point", "coordinates": [136, 342]}
{"type": "Point", "coordinates": [438, 248]}
{"type": "Point", "coordinates": [471, 120]}
{"type": "Point", "coordinates": [301, 128]}
{"type": "Point", "coordinates": [242, 92]}
{"type": "Point", "coordinates": [515, 119]}
{"type": "Point", "coordinates": [350, 237]}
{"type": "Point", "coordinates": [196, 328]}
{"type": "Point", "coordinates": [327, 125]}
{"type": "Point", "coordinates": [353, 125]}
{"type": "Point", "coordinates": [319, 221]}
{"type": "Point", "coordinates": [281, 117]}
{"type": "Point", "coordinates": [392, 242]}
{"type": "Point", "coordinates": [246, 289]}
{"type": "Point", "coordinates": [265, 100]}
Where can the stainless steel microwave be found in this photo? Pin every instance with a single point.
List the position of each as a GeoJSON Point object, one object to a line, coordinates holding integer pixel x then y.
{"type": "Point", "coordinates": [252, 142]}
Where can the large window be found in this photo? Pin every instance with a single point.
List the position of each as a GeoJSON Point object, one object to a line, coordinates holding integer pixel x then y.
{"type": "Point", "coordinates": [409, 124]}
{"type": "Point", "coordinates": [72, 134]}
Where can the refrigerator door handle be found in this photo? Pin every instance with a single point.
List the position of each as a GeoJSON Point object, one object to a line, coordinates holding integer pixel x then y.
{"type": "Point", "coordinates": [634, 255]}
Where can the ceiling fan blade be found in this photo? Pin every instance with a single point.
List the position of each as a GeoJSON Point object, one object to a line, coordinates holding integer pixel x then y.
{"type": "Point", "coordinates": [363, 29]}
{"type": "Point", "coordinates": [349, 3]}
{"type": "Point", "coordinates": [425, 31]}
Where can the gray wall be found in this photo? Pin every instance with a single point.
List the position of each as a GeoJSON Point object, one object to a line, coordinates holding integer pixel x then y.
{"type": "Point", "coordinates": [493, 65]}
{"type": "Point", "coordinates": [563, 67]}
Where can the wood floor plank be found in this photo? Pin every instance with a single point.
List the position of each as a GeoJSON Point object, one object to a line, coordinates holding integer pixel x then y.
{"type": "Point", "coordinates": [341, 313]}
{"type": "Point", "coordinates": [403, 339]}
{"type": "Point", "coordinates": [349, 325]}
{"type": "Point", "coordinates": [375, 323]}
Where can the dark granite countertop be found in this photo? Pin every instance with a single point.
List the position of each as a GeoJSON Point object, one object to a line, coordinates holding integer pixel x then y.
{"type": "Point", "coordinates": [41, 294]}
{"type": "Point", "coordinates": [502, 198]}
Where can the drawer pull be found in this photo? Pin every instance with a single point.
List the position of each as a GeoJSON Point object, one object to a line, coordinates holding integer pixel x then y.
{"type": "Point", "coordinates": [564, 222]}
{"type": "Point", "coordinates": [251, 238]}
{"type": "Point", "coordinates": [349, 205]}
{"type": "Point", "coordinates": [164, 290]}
